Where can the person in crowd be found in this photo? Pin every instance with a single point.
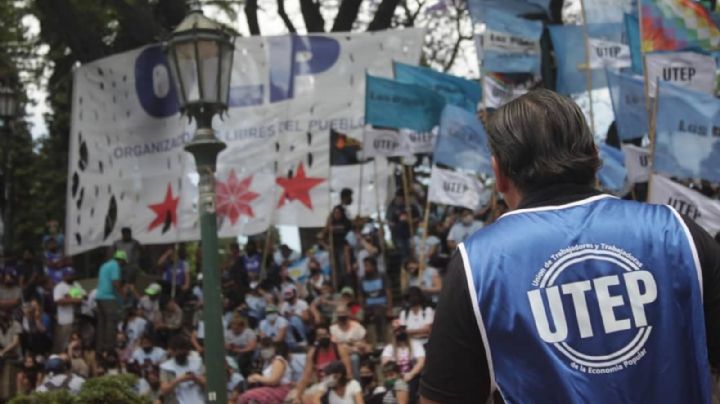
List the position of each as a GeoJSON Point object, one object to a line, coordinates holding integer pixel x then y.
{"type": "Point", "coordinates": [134, 325]}
{"type": "Point", "coordinates": [350, 333]}
{"type": "Point", "coordinates": [29, 377]}
{"type": "Point", "coordinates": [418, 317]}
{"type": "Point", "coordinates": [409, 355]}
{"type": "Point", "coordinates": [29, 273]}
{"type": "Point", "coordinates": [338, 226]}
{"type": "Point", "coordinates": [399, 220]}
{"type": "Point", "coordinates": [397, 390]}
{"type": "Point", "coordinates": [346, 199]}
{"type": "Point", "coordinates": [430, 247]}
{"type": "Point", "coordinates": [36, 326]}
{"type": "Point", "coordinates": [285, 255]}
{"type": "Point", "coordinates": [147, 352]}
{"type": "Point", "coordinates": [251, 261]}
{"type": "Point", "coordinates": [76, 357]}
{"type": "Point", "coordinates": [169, 322]}
{"type": "Point", "coordinates": [109, 292]}
{"type": "Point", "coordinates": [176, 271]}
{"type": "Point", "coordinates": [347, 299]}
{"type": "Point", "coordinates": [241, 342]}
{"type": "Point", "coordinates": [234, 277]}
{"type": "Point", "coordinates": [273, 384]}
{"type": "Point", "coordinates": [67, 295]}
{"type": "Point", "coordinates": [336, 387]}
{"type": "Point", "coordinates": [276, 327]}
{"type": "Point", "coordinates": [319, 356]}
{"type": "Point", "coordinates": [463, 229]}
{"type": "Point", "coordinates": [316, 280]}
{"type": "Point", "coordinates": [429, 282]}
{"type": "Point", "coordinates": [9, 353]}
{"type": "Point", "coordinates": [323, 307]}
{"type": "Point", "coordinates": [377, 298]}
{"type": "Point", "coordinates": [133, 250]}
{"type": "Point", "coordinates": [372, 391]}
{"type": "Point", "coordinates": [183, 376]}
{"type": "Point", "coordinates": [255, 304]}
{"type": "Point", "coordinates": [10, 291]}
{"type": "Point", "coordinates": [151, 374]}
{"type": "Point", "coordinates": [149, 303]}
{"type": "Point", "coordinates": [235, 380]}
{"type": "Point", "coordinates": [54, 261]}
{"type": "Point", "coordinates": [59, 377]}
{"type": "Point", "coordinates": [54, 234]}
{"type": "Point", "coordinates": [364, 244]}
{"type": "Point", "coordinates": [297, 312]}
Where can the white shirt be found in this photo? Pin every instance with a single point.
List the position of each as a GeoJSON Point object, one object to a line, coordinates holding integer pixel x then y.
{"type": "Point", "coordinates": [134, 329]}
{"type": "Point", "coordinates": [155, 356]}
{"type": "Point", "coordinates": [240, 340]}
{"type": "Point", "coordinates": [89, 305]}
{"type": "Point", "coordinates": [459, 232]}
{"type": "Point", "coordinates": [415, 321]}
{"type": "Point", "coordinates": [233, 382]}
{"type": "Point", "coordinates": [65, 312]}
{"type": "Point", "coordinates": [294, 309]}
{"type": "Point", "coordinates": [355, 333]}
{"type": "Point", "coordinates": [187, 392]}
{"type": "Point", "coordinates": [351, 389]}
{"type": "Point", "coordinates": [76, 382]}
{"type": "Point", "coordinates": [285, 379]}
{"type": "Point", "coordinates": [279, 259]}
{"type": "Point", "coordinates": [418, 351]}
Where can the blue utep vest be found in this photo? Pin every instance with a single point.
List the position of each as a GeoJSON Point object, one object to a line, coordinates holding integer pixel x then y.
{"type": "Point", "coordinates": [598, 301]}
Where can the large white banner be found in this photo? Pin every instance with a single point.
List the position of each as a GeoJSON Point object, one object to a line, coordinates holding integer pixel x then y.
{"type": "Point", "coordinates": [705, 211]}
{"type": "Point", "coordinates": [637, 163]}
{"type": "Point", "coordinates": [370, 187]}
{"type": "Point", "coordinates": [454, 188]}
{"type": "Point", "coordinates": [684, 69]}
{"type": "Point", "coordinates": [127, 163]}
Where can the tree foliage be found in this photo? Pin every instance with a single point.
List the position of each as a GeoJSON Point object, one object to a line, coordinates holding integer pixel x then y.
{"type": "Point", "coordinates": [117, 389]}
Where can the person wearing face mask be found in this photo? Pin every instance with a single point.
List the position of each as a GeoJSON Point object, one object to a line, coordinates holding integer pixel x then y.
{"type": "Point", "coordinates": [297, 312]}
{"type": "Point", "coordinates": [429, 281]}
{"type": "Point", "coordinates": [408, 354]}
{"type": "Point", "coordinates": [372, 392]}
{"type": "Point", "coordinates": [275, 327]}
{"type": "Point", "coordinates": [240, 342]}
{"type": "Point", "coordinates": [319, 356]}
{"type": "Point", "coordinates": [350, 333]}
{"type": "Point", "coordinates": [147, 352]}
{"type": "Point", "coordinates": [377, 298]}
{"type": "Point", "coordinates": [184, 374]}
{"type": "Point", "coordinates": [338, 388]}
{"type": "Point", "coordinates": [273, 384]}
{"type": "Point", "coordinates": [418, 317]}
{"type": "Point", "coordinates": [315, 281]}
{"type": "Point", "coordinates": [463, 229]}
{"type": "Point", "coordinates": [396, 389]}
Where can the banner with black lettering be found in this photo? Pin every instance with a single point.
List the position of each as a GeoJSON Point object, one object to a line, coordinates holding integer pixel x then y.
{"type": "Point", "coordinates": [397, 143]}
{"type": "Point", "coordinates": [705, 211]}
{"type": "Point", "coordinates": [637, 163]}
{"type": "Point", "coordinates": [608, 54]}
{"type": "Point", "coordinates": [684, 69]}
{"type": "Point", "coordinates": [454, 188]}
{"type": "Point", "coordinates": [370, 188]}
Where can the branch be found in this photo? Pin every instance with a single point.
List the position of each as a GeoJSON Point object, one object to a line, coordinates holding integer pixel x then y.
{"type": "Point", "coordinates": [383, 15]}
{"type": "Point", "coordinates": [251, 13]}
{"type": "Point", "coordinates": [456, 48]}
{"type": "Point", "coordinates": [314, 21]}
{"type": "Point", "coordinates": [346, 16]}
{"type": "Point", "coordinates": [283, 14]}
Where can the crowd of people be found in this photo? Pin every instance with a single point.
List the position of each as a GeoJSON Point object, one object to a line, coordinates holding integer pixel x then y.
{"type": "Point", "coordinates": [351, 328]}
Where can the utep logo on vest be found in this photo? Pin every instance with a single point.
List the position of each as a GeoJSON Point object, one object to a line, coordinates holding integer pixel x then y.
{"type": "Point", "coordinates": [600, 301]}
{"type": "Point", "coordinates": [289, 57]}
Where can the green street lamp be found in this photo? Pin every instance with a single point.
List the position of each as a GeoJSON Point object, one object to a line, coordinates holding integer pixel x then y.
{"type": "Point", "coordinates": [9, 100]}
{"type": "Point", "coordinates": [200, 56]}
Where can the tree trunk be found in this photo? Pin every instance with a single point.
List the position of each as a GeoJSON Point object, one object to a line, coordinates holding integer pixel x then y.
{"type": "Point", "coordinates": [251, 10]}
{"type": "Point", "coordinates": [346, 16]}
{"type": "Point", "coordinates": [383, 15]}
{"type": "Point", "coordinates": [283, 14]}
{"type": "Point", "coordinates": [314, 21]}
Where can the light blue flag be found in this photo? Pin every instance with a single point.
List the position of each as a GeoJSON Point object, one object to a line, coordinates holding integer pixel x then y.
{"type": "Point", "coordinates": [632, 30]}
{"type": "Point", "coordinates": [628, 99]}
{"type": "Point", "coordinates": [462, 141]}
{"type": "Point", "coordinates": [570, 55]}
{"type": "Point", "coordinates": [612, 174]}
{"type": "Point", "coordinates": [456, 90]}
{"type": "Point", "coordinates": [511, 44]}
{"type": "Point", "coordinates": [687, 137]}
{"type": "Point", "coordinates": [478, 8]}
{"type": "Point", "coordinates": [392, 104]}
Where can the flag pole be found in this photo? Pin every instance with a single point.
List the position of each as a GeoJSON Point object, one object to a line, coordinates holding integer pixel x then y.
{"type": "Point", "coordinates": [362, 171]}
{"type": "Point", "coordinates": [588, 71]}
{"type": "Point", "coordinates": [331, 238]}
{"type": "Point", "coordinates": [426, 222]}
{"type": "Point", "coordinates": [653, 129]}
{"type": "Point", "coordinates": [379, 212]}
{"type": "Point", "coordinates": [408, 208]}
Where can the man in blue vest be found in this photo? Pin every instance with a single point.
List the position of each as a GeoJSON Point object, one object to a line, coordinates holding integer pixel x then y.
{"type": "Point", "coordinates": [573, 296]}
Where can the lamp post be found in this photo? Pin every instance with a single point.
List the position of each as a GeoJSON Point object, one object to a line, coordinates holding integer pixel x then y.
{"type": "Point", "coordinates": [200, 54]}
{"type": "Point", "coordinates": [8, 111]}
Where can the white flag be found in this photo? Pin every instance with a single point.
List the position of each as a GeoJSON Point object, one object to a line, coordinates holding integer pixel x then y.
{"type": "Point", "coordinates": [449, 187]}
{"type": "Point", "coordinates": [705, 211]}
{"type": "Point", "coordinates": [385, 142]}
{"type": "Point", "coordinates": [637, 163]}
{"type": "Point", "coordinates": [684, 69]}
{"type": "Point", "coordinates": [496, 94]}
{"type": "Point", "coordinates": [608, 54]}
{"type": "Point", "coordinates": [349, 176]}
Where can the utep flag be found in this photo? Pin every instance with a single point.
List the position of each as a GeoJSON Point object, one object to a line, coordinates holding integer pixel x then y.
{"type": "Point", "coordinates": [126, 144]}
{"type": "Point", "coordinates": [605, 54]}
{"type": "Point", "coordinates": [669, 25]}
{"type": "Point", "coordinates": [456, 90]}
{"type": "Point", "coordinates": [687, 138]}
{"type": "Point", "coordinates": [397, 143]}
{"type": "Point", "coordinates": [392, 104]}
{"type": "Point", "coordinates": [510, 44]}
{"type": "Point", "coordinates": [705, 211]}
{"type": "Point", "coordinates": [632, 30]}
{"type": "Point", "coordinates": [462, 142]}
{"type": "Point", "coordinates": [685, 69]}
{"type": "Point", "coordinates": [362, 179]}
{"type": "Point", "coordinates": [628, 99]}
{"type": "Point", "coordinates": [612, 173]}
{"type": "Point", "coordinates": [637, 163]}
{"type": "Point", "coordinates": [453, 188]}
{"type": "Point", "coordinates": [497, 94]}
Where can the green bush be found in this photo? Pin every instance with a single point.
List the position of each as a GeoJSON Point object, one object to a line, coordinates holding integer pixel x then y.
{"type": "Point", "coordinates": [117, 389]}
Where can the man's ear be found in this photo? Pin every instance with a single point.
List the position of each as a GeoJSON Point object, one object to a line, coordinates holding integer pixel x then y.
{"type": "Point", "coordinates": [502, 183]}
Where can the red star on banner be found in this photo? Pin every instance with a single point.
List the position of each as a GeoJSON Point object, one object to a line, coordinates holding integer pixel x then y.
{"type": "Point", "coordinates": [298, 187]}
{"type": "Point", "coordinates": [165, 211]}
{"type": "Point", "coordinates": [233, 197]}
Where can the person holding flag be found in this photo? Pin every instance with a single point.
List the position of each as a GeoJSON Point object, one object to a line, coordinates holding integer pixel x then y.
{"type": "Point", "coordinates": [573, 296]}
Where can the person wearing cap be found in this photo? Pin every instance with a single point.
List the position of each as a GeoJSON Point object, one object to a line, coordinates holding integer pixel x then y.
{"type": "Point", "coordinates": [275, 326]}
{"type": "Point", "coordinates": [149, 303]}
{"type": "Point", "coordinates": [109, 291]}
{"type": "Point", "coordinates": [296, 310]}
{"type": "Point", "coordinates": [66, 303]}
{"type": "Point", "coordinates": [396, 389]}
{"type": "Point", "coordinates": [58, 377]}
{"type": "Point", "coordinates": [350, 333]}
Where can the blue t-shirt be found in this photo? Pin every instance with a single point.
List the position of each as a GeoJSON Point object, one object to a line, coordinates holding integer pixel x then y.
{"type": "Point", "coordinates": [109, 272]}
